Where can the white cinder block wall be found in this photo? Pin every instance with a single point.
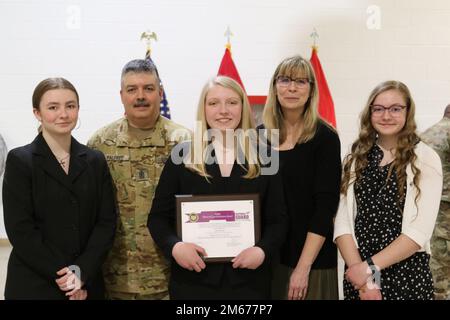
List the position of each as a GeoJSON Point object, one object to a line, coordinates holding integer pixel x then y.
{"type": "Point", "coordinates": [361, 43]}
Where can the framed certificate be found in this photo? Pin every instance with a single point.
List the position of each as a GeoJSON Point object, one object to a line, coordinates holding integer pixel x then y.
{"type": "Point", "coordinates": [223, 225]}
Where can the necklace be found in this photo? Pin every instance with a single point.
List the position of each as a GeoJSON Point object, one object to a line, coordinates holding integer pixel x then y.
{"type": "Point", "coordinates": [62, 161]}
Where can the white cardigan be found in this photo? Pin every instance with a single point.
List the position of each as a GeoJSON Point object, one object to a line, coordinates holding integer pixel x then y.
{"type": "Point", "coordinates": [418, 221]}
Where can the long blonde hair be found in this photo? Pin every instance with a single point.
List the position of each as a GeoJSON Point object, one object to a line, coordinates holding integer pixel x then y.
{"type": "Point", "coordinates": [406, 142]}
{"type": "Point", "coordinates": [196, 158]}
{"type": "Point", "coordinates": [273, 114]}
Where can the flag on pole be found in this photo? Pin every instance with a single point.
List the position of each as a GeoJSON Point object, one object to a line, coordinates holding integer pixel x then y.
{"type": "Point", "coordinates": [164, 107]}
{"type": "Point", "coordinates": [228, 68]}
{"type": "Point", "coordinates": [147, 36]}
{"type": "Point", "coordinates": [326, 105]}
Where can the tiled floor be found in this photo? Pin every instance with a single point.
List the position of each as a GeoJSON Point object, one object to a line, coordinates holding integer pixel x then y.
{"type": "Point", "coordinates": [4, 255]}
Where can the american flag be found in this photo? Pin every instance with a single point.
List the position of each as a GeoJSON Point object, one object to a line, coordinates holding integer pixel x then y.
{"type": "Point", "coordinates": [165, 111]}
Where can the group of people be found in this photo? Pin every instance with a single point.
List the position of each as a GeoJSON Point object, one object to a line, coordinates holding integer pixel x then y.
{"type": "Point", "coordinates": [99, 221]}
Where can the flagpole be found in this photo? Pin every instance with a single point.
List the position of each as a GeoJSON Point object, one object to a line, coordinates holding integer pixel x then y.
{"type": "Point", "coordinates": [314, 35]}
{"type": "Point", "coordinates": [228, 34]}
{"type": "Point", "coordinates": [147, 37]}
{"type": "Point", "coordinates": [325, 104]}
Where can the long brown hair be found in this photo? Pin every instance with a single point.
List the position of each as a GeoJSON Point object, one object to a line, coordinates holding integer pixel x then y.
{"type": "Point", "coordinates": [406, 142]}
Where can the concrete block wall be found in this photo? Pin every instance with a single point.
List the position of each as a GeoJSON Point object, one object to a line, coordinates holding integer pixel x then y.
{"type": "Point", "coordinates": [361, 43]}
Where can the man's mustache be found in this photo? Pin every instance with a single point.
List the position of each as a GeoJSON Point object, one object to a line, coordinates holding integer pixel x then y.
{"type": "Point", "coordinates": [141, 103]}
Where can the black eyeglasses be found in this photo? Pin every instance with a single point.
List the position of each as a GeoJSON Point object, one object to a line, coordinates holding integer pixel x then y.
{"type": "Point", "coordinates": [285, 81]}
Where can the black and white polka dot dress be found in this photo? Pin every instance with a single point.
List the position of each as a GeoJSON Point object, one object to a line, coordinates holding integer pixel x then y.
{"type": "Point", "coordinates": [378, 223]}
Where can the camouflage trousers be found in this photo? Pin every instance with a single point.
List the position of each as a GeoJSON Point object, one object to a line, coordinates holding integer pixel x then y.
{"type": "Point", "coordinates": [440, 257]}
{"type": "Point", "coordinates": [113, 295]}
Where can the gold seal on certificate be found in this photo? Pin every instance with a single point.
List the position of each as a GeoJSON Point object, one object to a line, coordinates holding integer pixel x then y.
{"type": "Point", "coordinates": [223, 225]}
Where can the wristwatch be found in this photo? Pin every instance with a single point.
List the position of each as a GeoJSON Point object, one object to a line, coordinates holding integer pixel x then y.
{"type": "Point", "coordinates": [371, 265]}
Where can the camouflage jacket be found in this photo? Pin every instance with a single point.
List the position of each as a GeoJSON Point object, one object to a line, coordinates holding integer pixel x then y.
{"type": "Point", "coordinates": [438, 137]}
{"type": "Point", "coordinates": [135, 264]}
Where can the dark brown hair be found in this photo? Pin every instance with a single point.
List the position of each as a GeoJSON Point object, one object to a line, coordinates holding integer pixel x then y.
{"type": "Point", "coordinates": [51, 84]}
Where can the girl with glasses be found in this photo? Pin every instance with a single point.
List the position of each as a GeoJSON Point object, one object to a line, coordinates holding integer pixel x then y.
{"type": "Point", "coordinates": [389, 202]}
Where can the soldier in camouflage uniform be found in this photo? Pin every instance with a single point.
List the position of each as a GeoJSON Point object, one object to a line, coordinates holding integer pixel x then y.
{"type": "Point", "coordinates": [438, 137]}
{"type": "Point", "coordinates": [136, 148]}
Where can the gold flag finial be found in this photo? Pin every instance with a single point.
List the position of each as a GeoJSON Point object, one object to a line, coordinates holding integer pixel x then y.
{"type": "Point", "coordinates": [315, 36]}
{"type": "Point", "coordinates": [147, 36]}
{"type": "Point", "coordinates": [228, 34]}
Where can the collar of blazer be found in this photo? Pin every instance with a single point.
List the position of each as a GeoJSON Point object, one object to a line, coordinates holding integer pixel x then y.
{"type": "Point", "coordinates": [48, 162]}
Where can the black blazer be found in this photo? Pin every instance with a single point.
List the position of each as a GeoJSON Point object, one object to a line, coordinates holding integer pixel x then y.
{"type": "Point", "coordinates": [54, 220]}
{"type": "Point", "coordinates": [311, 175]}
{"type": "Point", "coordinates": [177, 179]}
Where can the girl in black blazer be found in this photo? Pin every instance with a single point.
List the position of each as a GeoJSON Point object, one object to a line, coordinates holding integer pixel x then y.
{"type": "Point", "coordinates": [223, 106]}
{"type": "Point", "coordinates": [58, 203]}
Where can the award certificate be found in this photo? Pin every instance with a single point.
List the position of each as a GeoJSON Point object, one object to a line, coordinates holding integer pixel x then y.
{"type": "Point", "coordinates": [223, 225]}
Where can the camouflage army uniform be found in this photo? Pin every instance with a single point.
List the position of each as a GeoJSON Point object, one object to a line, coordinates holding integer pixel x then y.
{"type": "Point", "coordinates": [136, 268]}
{"type": "Point", "coordinates": [438, 137]}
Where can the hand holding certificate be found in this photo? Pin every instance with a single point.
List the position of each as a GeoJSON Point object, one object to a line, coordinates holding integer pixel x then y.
{"type": "Point", "coordinates": [250, 258]}
{"type": "Point", "coordinates": [189, 256]}
{"type": "Point", "coordinates": [224, 225]}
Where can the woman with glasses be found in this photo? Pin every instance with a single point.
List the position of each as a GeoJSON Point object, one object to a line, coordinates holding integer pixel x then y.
{"type": "Point", "coordinates": [389, 203]}
{"type": "Point", "coordinates": [310, 165]}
